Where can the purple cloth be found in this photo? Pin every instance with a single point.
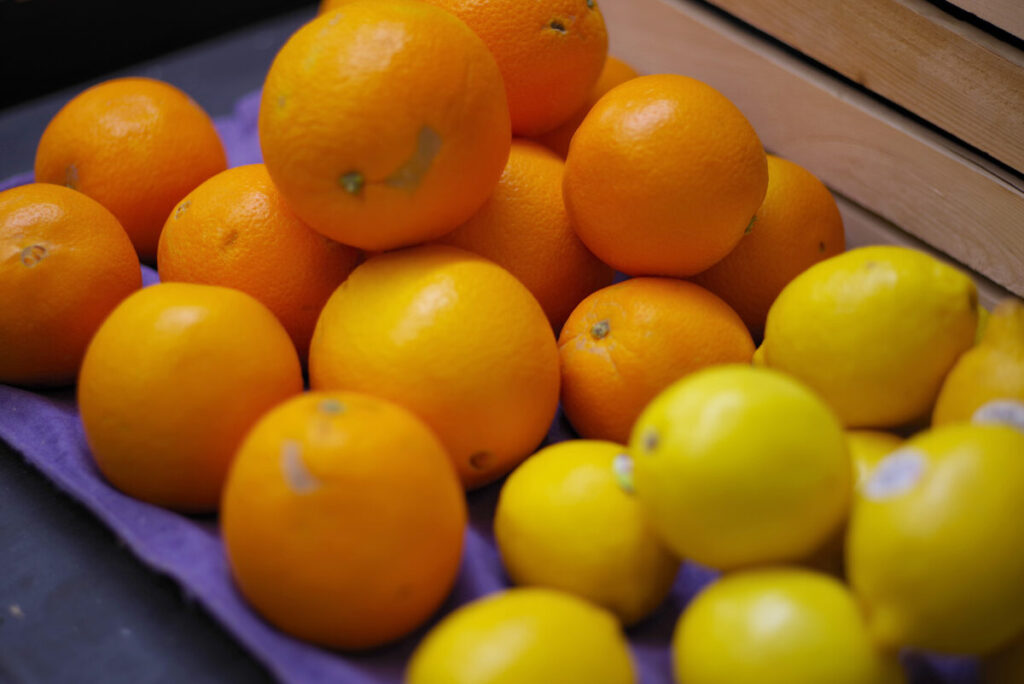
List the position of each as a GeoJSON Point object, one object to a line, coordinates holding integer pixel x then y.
{"type": "Point", "coordinates": [45, 429]}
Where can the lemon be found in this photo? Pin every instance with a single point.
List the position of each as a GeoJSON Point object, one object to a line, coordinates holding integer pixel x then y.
{"type": "Point", "coordinates": [991, 371]}
{"type": "Point", "coordinates": [777, 626]}
{"type": "Point", "coordinates": [563, 522]}
{"type": "Point", "coordinates": [737, 465]}
{"type": "Point", "coordinates": [873, 331]}
{"type": "Point", "coordinates": [867, 448]}
{"type": "Point", "coordinates": [522, 636]}
{"type": "Point", "coordinates": [935, 548]}
{"type": "Point", "coordinates": [758, 358]}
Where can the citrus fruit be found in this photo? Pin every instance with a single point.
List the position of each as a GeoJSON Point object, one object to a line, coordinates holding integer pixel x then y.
{"type": "Point", "coordinates": [452, 337]}
{"type": "Point", "coordinates": [867, 448]}
{"type": "Point", "coordinates": [343, 519]}
{"type": "Point", "coordinates": [933, 551]}
{"type": "Point", "coordinates": [627, 342]}
{"type": "Point", "coordinates": [136, 146]}
{"type": "Point", "coordinates": [65, 263]}
{"type": "Point", "coordinates": [991, 371]}
{"type": "Point", "coordinates": [797, 225]}
{"type": "Point", "coordinates": [172, 381]}
{"type": "Point", "coordinates": [384, 123]}
{"type": "Point", "coordinates": [614, 72]}
{"type": "Point", "coordinates": [874, 331]}
{"type": "Point", "coordinates": [235, 230]}
{"type": "Point", "coordinates": [663, 176]}
{"type": "Point", "coordinates": [778, 626]}
{"type": "Point", "coordinates": [524, 228]}
{"type": "Point", "coordinates": [737, 465]}
{"type": "Point", "coordinates": [550, 53]}
{"type": "Point", "coordinates": [563, 522]}
{"type": "Point", "coordinates": [524, 635]}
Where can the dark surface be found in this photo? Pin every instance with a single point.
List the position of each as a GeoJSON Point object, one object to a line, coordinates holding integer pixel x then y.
{"type": "Point", "coordinates": [49, 44]}
{"type": "Point", "coordinates": [74, 605]}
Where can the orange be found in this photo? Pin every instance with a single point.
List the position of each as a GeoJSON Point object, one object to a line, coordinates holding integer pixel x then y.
{"type": "Point", "coordinates": [136, 146]}
{"type": "Point", "coordinates": [384, 124]}
{"type": "Point", "coordinates": [524, 227]}
{"type": "Point", "coordinates": [797, 226]}
{"type": "Point", "coordinates": [65, 263]}
{"type": "Point", "coordinates": [615, 71]}
{"type": "Point", "coordinates": [235, 230]}
{"type": "Point", "coordinates": [172, 381]}
{"type": "Point", "coordinates": [663, 176]}
{"type": "Point", "coordinates": [343, 519]}
{"type": "Point", "coordinates": [624, 344]}
{"type": "Point", "coordinates": [550, 53]}
{"type": "Point", "coordinates": [452, 337]}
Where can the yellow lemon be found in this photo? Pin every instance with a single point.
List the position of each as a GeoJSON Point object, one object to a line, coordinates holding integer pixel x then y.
{"type": "Point", "coordinates": [758, 358]}
{"type": "Point", "coordinates": [991, 371]}
{"type": "Point", "coordinates": [867, 448]}
{"type": "Point", "coordinates": [737, 465]}
{"type": "Point", "coordinates": [934, 547]}
{"type": "Point", "coordinates": [778, 626]}
{"type": "Point", "coordinates": [522, 636]}
{"type": "Point", "coordinates": [873, 331]}
{"type": "Point", "coordinates": [563, 522]}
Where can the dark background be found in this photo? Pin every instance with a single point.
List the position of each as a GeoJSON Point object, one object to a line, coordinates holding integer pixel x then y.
{"type": "Point", "coordinates": [46, 45]}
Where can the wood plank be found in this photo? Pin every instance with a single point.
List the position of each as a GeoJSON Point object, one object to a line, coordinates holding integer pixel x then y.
{"type": "Point", "coordinates": [865, 228]}
{"type": "Point", "coordinates": [881, 160]}
{"type": "Point", "coordinates": [946, 71]}
{"type": "Point", "coordinates": [1007, 15]}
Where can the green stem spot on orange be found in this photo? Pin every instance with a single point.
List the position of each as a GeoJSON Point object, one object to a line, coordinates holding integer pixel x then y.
{"type": "Point", "coordinates": [600, 329]}
{"type": "Point", "coordinates": [750, 226]}
{"type": "Point", "coordinates": [590, 4]}
{"type": "Point", "coordinates": [352, 182]}
{"type": "Point", "coordinates": [331, 407]}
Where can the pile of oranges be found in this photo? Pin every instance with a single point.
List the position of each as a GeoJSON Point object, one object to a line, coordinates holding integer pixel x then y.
{"type": "Point", "coordinates": [430, 245]}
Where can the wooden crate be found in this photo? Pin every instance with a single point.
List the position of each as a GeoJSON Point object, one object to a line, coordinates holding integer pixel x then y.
{"type": "Point", "coordinates": [913, 117]}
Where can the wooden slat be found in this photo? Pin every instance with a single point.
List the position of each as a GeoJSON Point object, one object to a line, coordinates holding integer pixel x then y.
{"type": "Point", "coordinates": [865, 228]}
{"type": "Point", "coordinates": [1005, 14]}
{"type": "Point", "coordinates": [944, 70]}
{"type": "Point", "coordinates": [883, 161]}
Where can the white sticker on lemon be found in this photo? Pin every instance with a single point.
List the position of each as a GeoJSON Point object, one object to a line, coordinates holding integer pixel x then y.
{"type": "Point", "coordinates": [1002, 412]}
{"type": "Point", "coordinates": [896, 474]}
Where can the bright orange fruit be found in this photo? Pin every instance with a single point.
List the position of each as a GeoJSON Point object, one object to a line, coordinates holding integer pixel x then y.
{"type": "Point", "coordinates": [65, 263]}
{"type": "Point", "coordinates": [136, 146]}
{"type": "Point", "coordinates": [797, 226]}
{"type": "Point", "coordinates": [550, 53]}
{"type": "Point", "coordinates": [615, 71]}
{"type": "Point", "coordinates": [524, 227]}
{"type": "Point", "coordinates": [452, 337]}
{"type": "Point", "coordinates": [663, 176]}
{"type": "Point", "coordinates": [172, 381]}
{"type": "Point", "coordinates": [384, 124]}
{"type": "Point", "coordinates": [235, 230]}
{"type": "Point", "coordinates": [343, 519]}
{"type": "Point", "coordinates": [624, 344]}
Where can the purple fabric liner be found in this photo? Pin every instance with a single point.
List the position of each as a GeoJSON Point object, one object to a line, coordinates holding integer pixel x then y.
{"type": "Point", "coordinates": [46, 430]}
